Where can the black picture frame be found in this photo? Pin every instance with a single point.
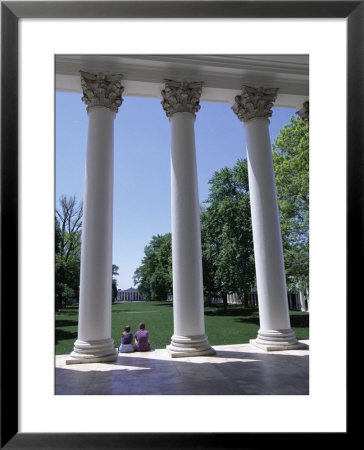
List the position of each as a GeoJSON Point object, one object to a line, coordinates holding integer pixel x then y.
{"type": "Point", "coordinates": [11, 12]}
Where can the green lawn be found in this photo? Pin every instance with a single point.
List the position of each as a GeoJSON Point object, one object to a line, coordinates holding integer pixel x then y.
{"type": "Point", "coordinates": [236, 326]}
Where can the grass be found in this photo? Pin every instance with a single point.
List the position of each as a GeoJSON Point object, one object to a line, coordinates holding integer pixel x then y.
{"type": "Point", "coordinates": [235, 326]}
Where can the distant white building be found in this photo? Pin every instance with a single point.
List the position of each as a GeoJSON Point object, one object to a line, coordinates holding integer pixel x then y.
{"type": "Point", "coordinates": [296, 300]}
{"type": "Point", "coordinates": [129, 295]}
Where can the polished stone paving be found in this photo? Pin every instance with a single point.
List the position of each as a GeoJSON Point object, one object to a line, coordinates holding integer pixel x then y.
{"type": "Point", "coordinates": [235, 370]}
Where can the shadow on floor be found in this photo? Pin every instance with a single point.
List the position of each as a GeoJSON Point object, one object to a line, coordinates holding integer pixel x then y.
{"type": "Point", "coordinates": [228, 373]}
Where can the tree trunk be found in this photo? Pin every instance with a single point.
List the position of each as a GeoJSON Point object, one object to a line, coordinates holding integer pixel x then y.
{"type": "Point", "coordinates": [245, 300]}
{"type": "Point", "coordinates": [224, 299]}
{"type": "Point", "coordinates": [58, 303]}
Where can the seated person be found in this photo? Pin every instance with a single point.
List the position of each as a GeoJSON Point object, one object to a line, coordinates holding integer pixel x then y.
{"type": "Point", "coordinates": [142, 339]}
{"type": "Point", "coordinates": [126, 345]}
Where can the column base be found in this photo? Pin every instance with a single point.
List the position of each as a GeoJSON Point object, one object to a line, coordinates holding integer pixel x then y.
{"type": "Point", "coordinates": [93, 352]}
{"type": "Point", "coordinates": [275, 340]}
{"type": "Point", "coordinates": [189, 346]}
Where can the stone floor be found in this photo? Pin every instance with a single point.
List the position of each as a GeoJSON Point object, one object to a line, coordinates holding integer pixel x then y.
{"type": "Point", "coordinates": [235, 370]}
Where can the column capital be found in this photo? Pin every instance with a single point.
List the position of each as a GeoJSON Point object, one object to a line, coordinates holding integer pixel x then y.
{"type": "Point", "coordinates": [101, 89]}
{"type": "Point", "coordinates": [304, 112]}
{"type": "Point", "coordinates": [254, 103]}
{"type": "Point", "coordinates": [181, 96]}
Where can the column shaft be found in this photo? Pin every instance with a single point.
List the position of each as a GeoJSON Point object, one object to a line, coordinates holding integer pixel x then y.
{"type": "Point", "coordinates": [275, 333]}
{"type": "Point", "coordinates": [270, 273]}
{"type": "Point", "coordinates": [302, 301]}
{"type": "Point", "coordinates": [94, 342]}
{"type": "Point", "coordinates": [96, 255]}
{"type": "Point", "coordinates": [189, 339]}
{"type": "Point", "coordinates": [186, 239]}
{"type": "Point", "coordinates": [102, 94]}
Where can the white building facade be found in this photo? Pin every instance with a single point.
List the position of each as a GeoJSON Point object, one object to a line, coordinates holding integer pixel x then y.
{"type": "Point", "coordinates": [252, 85]}
{"type": "Point", "coordinates": [129, 295]}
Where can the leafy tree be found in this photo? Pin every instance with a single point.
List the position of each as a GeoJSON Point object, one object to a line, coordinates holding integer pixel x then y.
{"type": "Point", "coordinates": [68, 223]}
{"type": "Point", "coordinates": [291, 165]}
{"type": "Point", "coordinates": [227, 245]}
{"type": "Point", "coordinates": [114, 292]}
{"type": "Point", "coordinates": [154, 275]}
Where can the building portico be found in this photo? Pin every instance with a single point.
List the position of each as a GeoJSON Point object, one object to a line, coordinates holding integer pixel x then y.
{"type": "Point", "coordinates": [279, 81]}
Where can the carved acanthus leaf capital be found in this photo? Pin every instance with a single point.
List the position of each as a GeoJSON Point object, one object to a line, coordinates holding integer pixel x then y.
{"type": "Point", "coordinates": [181, 96]}
{"type": "Point", "coordinates": [304, 112]}
{"type": "Point", "coordinates": [254, 103]}
{"type": "Point", "coordinates": [101, 89]}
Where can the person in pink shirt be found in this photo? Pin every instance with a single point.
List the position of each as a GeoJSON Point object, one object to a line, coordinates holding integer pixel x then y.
{"type": "Point", "coordinates": [142, 339]}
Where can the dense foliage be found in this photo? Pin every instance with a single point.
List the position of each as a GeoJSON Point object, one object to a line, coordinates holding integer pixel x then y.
{"type": "Point", "coordinates": [68, 223]}
{"type": "Point", "coordinates": [154, 275]}
{"type": "Point", "coordinates": [227, 245]}
{"type": "Point", "coordinates": [291, 165]}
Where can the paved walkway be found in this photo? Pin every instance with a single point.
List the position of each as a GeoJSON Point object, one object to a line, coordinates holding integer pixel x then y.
{"type": "Point", "coordinates": [235, 370]}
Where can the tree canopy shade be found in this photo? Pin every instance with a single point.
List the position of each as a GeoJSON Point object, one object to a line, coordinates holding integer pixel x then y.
{"type": "Point", "coordinates": [68, 223]}
{"type": "Point", "coordinates": [154, 275]}
{"type": "Point", "coordinates": [291, 165]}
{"type": "Point", "coordinates": [227, 243]}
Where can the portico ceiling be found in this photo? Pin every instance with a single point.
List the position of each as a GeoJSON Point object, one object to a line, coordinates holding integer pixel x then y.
{"type": "Point", "coordinates": [222, 75]}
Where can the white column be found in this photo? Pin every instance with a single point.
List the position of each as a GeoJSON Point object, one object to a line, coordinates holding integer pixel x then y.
{"type": "Point", "coordinates": [302, 301]}
{"type": "Point", "coordinates": [181, 102]}
{"type": "Point", "coordinates": [253, 107]}
{"type": "Point", "coordinates": [102, 94]}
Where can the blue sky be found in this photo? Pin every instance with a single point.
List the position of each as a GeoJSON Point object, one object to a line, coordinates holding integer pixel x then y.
{"type": "Point", "coordinates": [142, 164]}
